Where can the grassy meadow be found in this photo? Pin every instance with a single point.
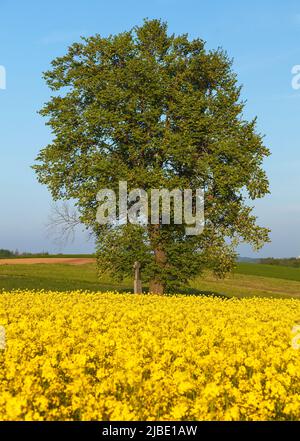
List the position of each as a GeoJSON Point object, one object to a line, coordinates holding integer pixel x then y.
{"type": "Point", "coordinates": [248, 280]}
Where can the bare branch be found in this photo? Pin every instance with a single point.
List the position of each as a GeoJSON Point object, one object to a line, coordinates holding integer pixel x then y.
{"type": "Point", "coordinates": [62, 223]}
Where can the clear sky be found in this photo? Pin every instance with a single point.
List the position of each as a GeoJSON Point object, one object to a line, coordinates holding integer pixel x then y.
{"type": "Point", "coordinates": [262, 37]}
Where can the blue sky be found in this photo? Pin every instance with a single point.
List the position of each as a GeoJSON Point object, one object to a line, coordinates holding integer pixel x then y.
{"type": "Point", "coordinates": [261, 36]}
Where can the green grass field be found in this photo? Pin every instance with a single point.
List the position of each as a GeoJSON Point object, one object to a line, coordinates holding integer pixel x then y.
{"type": "Point", "coordinates": [274, 271]}
{"type": "Point", "coordinates": [60, 277]}
{"type": "Point", "coordinates": [248, 280]}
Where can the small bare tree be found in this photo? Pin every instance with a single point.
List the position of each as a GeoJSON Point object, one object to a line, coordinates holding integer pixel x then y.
{"type": "Point", "coordinates": [62, 223]}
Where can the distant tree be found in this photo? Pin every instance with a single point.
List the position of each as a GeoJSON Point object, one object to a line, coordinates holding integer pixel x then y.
{"type": "Point", "coordinates": [157, 111]}
{"type": "Point", "coordinates": [6, 253]}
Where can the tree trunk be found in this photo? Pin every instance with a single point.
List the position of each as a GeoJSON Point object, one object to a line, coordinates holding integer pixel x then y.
{"type": "Point", "coordinates": [157, 286]}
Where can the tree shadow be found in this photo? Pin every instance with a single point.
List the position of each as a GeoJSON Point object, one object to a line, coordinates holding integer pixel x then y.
{"type": "Point", "coordinates": [186, 292]}
{"type": "Point", "coordinates": [203, 293]}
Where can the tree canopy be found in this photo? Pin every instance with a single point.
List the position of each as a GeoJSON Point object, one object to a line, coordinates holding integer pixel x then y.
{"type": "Point", "coordinates": [158, 111]}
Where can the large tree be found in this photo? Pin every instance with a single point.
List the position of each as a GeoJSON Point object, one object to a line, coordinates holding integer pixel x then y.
{"type": "Point", "coordinates": [157, 111]}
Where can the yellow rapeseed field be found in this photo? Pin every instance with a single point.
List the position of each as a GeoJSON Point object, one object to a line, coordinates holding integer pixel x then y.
{"type": "Point", "coordinates": [110, 356]}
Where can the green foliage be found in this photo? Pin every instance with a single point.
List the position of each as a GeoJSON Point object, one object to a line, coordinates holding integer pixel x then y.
{"type": "Point", "coordinates": [157, 111]}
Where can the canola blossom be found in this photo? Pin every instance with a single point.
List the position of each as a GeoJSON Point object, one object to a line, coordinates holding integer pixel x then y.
{"type": "Point", "coordinates": [111, 356]}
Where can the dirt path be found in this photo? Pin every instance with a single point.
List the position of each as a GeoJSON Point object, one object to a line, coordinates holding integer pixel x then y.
{"type": "Point", "coordinates": [48, 260]}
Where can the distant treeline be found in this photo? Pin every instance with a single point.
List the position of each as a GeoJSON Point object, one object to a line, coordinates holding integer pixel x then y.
{"type": "Point", "coordinates": [291, 261]}
{"type": "Point", "coordinates": [6, 254]}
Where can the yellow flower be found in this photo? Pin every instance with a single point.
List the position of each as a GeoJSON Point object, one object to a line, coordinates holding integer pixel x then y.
{"type": "Point", "coordinates": [112, 356]}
